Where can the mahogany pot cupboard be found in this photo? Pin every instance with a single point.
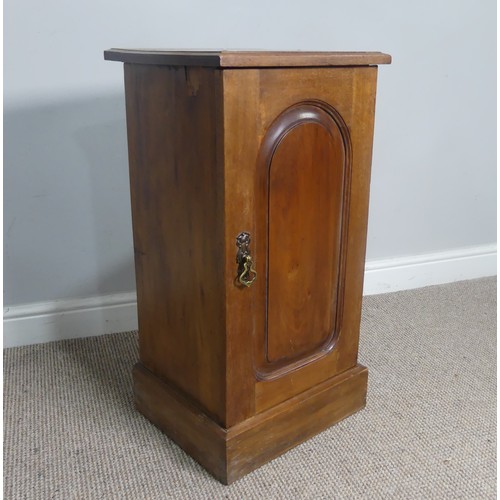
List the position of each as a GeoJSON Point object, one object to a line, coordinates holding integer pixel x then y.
{"type": "Point", "coordinates": [249, 177]}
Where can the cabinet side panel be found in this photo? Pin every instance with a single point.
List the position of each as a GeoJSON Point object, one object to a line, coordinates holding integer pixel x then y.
{"type": "Point", "coordinates": [177, 189]}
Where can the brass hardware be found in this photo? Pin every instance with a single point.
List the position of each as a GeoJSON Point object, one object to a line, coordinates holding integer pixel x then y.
{"type": "Point", "coordinates": [249, 275]}
{"type": "Point", "coordinates": [246, 273]}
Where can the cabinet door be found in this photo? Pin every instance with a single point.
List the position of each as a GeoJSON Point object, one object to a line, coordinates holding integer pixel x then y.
{"type": "Point", "coordinates": [297, 170]}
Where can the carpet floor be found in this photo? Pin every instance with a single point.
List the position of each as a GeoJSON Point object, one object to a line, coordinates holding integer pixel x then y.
{"type": "Point", "coordinates": [428, 431]}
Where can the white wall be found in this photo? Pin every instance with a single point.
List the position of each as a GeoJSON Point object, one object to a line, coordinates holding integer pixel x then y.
{"type": "Point", "coordinates": [67, 211]}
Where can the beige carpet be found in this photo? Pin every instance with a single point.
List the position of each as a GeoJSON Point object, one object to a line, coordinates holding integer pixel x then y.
{"type": "Point", "coordinates": [428, 431]}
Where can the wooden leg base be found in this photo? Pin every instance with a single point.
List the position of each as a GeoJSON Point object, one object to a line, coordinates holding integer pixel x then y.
{"type": "Point", "coordinates": [229, 454]}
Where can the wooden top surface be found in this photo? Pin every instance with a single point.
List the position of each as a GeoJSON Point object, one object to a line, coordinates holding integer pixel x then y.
{"type": "Point", "coordinates": [245, 59]}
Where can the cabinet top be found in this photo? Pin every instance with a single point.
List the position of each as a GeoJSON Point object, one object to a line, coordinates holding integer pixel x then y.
{"type": "Point", "coordinates": [245, 59]}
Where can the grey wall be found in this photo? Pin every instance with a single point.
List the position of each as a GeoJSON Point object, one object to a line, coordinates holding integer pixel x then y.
{"type": "Point", "coordinates": [67, 211]}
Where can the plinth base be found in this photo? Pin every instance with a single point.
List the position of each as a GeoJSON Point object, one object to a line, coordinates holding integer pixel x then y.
{"type": "Point", "coordinates": [229, 454]}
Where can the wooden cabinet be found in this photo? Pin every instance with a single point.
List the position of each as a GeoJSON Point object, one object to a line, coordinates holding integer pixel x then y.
{"type": "Point", "coordinates": [249, 175]}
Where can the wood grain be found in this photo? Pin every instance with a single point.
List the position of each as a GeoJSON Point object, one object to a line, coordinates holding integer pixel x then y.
{"type": "Point", "coordinates": [246, 59]}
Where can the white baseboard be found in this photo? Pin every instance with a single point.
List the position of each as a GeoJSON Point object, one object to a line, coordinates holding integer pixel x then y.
{"type": "Point", "coordinates": [417, 271]}
{"type": "Point", "coordinates": [67, 319]}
